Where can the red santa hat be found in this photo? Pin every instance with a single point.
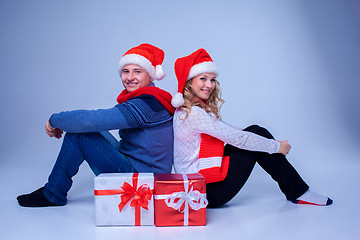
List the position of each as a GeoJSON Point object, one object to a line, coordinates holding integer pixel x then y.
{"type": "Point", "coordinates": [188, 67]}
{"type": "Point", "coordinates": [146, 56]}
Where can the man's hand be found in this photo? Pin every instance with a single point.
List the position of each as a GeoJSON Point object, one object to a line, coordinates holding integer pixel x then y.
{"type": "Point", "coordinates": [53, 132]}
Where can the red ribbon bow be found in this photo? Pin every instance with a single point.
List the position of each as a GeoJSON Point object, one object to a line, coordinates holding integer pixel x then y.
{"type": "Point", "coordinates": [140, 196]}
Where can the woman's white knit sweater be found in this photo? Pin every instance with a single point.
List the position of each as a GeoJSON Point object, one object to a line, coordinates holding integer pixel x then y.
{"type": "Point", "coordinates": [187, 138]}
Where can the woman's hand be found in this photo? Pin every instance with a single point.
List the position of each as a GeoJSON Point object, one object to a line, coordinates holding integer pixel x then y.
{"type": "Point", "coordinates": [53, 132]}
{"type": "Point", "coordinates": [284, 147]}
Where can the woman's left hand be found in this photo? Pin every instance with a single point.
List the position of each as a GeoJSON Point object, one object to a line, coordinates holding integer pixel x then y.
{"type": "Point", "coordinates": [284, 147]}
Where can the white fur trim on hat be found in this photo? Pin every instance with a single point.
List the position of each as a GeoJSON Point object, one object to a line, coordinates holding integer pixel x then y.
{"type": "Point", "coordinates": [177, 100]}
{"type": "Point", "coordinates": [140, 61]}
{"type": "Point", "coordinates": [204, 67]}
{"type": "Point", "coordinates": [159, 72]}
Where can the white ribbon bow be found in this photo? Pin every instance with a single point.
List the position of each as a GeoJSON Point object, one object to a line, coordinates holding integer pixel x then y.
{"type": "Point", "coordinates": [193, 199]}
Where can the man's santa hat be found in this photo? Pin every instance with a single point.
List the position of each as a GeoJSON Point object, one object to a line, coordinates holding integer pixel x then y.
{"type": "Point", "coordinates": [147, 57]}
{"type": "Point", "coordinates": [188, 67]}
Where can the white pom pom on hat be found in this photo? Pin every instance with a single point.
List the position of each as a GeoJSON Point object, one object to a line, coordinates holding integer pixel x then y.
{"type": "Point", "coordinates": [188, 67]}
{"type": "Point", "coordinates": [177, 100]}
{"type": "Point", "coordinates": [147, 57]}
{"type": "Point", "coordinates": [159, 72]}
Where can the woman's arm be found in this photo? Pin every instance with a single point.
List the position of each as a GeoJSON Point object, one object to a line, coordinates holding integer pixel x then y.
{"type": "Point", "coordinates": [200, 121]}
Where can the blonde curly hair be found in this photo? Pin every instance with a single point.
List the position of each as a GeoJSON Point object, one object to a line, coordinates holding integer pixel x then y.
{"type": "Point", "coordinates": [212, 105]}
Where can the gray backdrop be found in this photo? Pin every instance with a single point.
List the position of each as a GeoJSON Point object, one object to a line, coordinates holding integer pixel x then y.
{"type": "Point", "coordinates": [291, 66]}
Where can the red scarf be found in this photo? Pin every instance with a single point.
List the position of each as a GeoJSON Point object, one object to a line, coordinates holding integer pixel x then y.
{"type": "Point", "coordinates": [162, 96]}
{"type": "Point", "coordinates": [213, 166]}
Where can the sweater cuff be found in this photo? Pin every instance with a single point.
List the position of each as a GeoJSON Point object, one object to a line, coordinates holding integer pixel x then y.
{"type": "Point", "coordinates": [277, 146]}
{"type": "Point", "coordinates": [51, 122]}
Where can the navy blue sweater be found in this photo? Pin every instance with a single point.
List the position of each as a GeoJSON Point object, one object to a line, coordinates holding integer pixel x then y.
{"type": "Point", "coordinates": [145, 129]}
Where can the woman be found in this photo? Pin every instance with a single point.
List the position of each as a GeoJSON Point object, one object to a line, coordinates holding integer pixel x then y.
{"type": "Point", "coordinates": [143, 117]}
{"type": "Point", "coordinates": [199, 137]}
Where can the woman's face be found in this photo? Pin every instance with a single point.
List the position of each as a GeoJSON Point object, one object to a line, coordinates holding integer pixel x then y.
{"type": "Point", "coordinates": [134, 77]}
{"type": "Point", "coordinates": [203, 85]}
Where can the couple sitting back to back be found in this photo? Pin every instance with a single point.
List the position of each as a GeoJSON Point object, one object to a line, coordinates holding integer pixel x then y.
{"type": "Point", "coordinates": [157, 131]}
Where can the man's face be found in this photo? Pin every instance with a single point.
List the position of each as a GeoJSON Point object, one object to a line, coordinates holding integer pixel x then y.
{"type": "Point", "coordinates": [134, 77]}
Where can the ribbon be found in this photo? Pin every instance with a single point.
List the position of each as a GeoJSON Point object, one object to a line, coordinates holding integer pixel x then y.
{"type": "Point", "coordinates": [140, 196]}
{"type": "Point", "coordinates": [193, 199]}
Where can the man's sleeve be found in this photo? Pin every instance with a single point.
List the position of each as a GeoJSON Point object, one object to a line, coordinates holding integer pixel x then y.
{"type": "Point", "coordinates": [78, 121]}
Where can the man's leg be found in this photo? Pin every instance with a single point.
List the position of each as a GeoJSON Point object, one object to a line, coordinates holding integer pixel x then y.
{"type": "Point", "coordinates": [101, 156]}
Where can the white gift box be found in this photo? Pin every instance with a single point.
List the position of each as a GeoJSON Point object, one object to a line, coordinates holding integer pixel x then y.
{"type": "Point", "coordinates": [124, 199]}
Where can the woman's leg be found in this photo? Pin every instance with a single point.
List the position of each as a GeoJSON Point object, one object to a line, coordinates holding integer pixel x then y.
{"type": "Point", "coordinates": [279, 168]}
{"type": "Point", "coordinates": [101, 156]}
{"type": "Point", "coordinates": [241, 165]}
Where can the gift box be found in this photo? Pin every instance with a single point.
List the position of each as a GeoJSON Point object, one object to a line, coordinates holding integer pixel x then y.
{"type": "Point", "coordinates": [124, 199]}
{"type": "Point", "coordinates": [180, 200]}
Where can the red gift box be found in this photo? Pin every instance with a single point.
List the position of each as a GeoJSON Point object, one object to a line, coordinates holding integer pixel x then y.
{"type": "Point", "coordinates": [180, 200]}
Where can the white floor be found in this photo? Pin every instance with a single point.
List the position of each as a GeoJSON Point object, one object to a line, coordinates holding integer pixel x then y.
{"type": "Point", "coordinates": [259, 211]}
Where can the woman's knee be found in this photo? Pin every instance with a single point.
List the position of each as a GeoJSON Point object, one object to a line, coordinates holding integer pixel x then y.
{"type": "Point", "coordinates": [259, 131]}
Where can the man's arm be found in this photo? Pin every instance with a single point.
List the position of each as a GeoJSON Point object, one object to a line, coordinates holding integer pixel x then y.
{"type": "Point", "coordinates": [78, 121]}
{"type": "Point", "coordinates": [140, 112]}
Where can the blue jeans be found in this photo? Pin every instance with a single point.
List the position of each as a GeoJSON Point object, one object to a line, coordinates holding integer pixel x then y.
{"type": "Point", "coordinates": [101, 156]}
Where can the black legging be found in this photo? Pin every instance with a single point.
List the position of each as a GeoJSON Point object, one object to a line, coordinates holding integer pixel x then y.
{"type": "Point", "coordinates": [241, 165]}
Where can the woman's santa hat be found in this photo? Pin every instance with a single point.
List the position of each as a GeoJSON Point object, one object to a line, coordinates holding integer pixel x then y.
{"type": "Point", "coordinates": [188, 67]}
{"type": "Point", "coordinates": [147, 57]}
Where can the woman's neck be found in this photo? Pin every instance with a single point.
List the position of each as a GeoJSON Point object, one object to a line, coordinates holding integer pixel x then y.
{"type": "Point", "coordinates": [196, 99]}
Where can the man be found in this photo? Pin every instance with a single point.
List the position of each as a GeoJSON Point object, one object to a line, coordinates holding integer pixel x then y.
{"type": "Point", "coordinates": [143, 116]}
